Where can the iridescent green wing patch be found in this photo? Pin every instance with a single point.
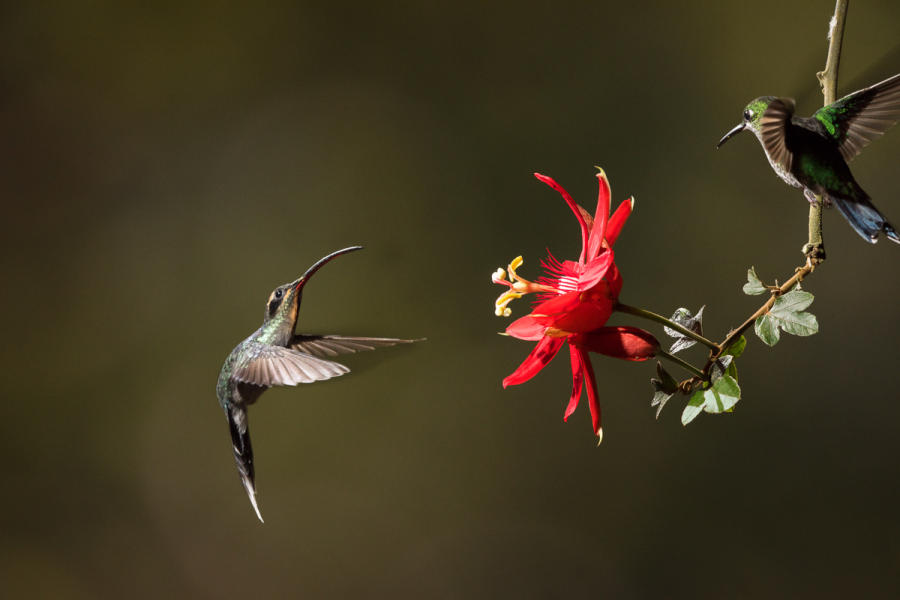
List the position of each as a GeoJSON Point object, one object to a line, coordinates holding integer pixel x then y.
{"type": "Point", "coordinates": [857, 119]}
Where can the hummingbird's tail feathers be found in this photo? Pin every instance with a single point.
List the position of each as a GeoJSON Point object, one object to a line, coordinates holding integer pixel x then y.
{"type": "Point", "coordinates": [243, 452]}
{"type": "Point", "coordinates": [865, 219]}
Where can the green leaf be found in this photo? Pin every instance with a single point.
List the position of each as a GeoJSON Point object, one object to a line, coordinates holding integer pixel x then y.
{"type": "Point", "coordinates": [694, 407]}
{"type": "Point", "coordinates": [737, 348]}
{"type": "Point", "coordinates": [793, 301]}
{"type": "Point", "coordinates": [720, 367]}
{"type": "Point", "coordinates": [665, 387]}
{"type": "Point", "coordinates": [767, 330]}
{"type": "Point", "coordinates": [787, 315]}
{"type": "Point", "coordinates": [683, 317]}
{"type": "Point", "coordinates": [801, 323]}
{"type": "Point", "coordinates": [721, 397]}
{"type": "Point", "coordinates": [726, 393]}
{"type": "Point", "coordinates": [754, 286]}
{"type": "Point", "coordinates": [732, 371]}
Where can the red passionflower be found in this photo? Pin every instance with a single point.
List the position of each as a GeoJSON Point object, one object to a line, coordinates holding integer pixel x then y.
{"type": "Point", "coordinates": [575, 301]}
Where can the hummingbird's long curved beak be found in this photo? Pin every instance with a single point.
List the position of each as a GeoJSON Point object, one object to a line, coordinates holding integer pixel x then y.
{"type": "Point", "coordinates": [737, 129]}
{"type": "Point", "coordinates": [319, 264]}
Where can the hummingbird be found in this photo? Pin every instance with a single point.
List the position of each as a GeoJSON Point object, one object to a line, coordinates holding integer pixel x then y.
{"type": "Point", "coordinates": [275, 355]}
{"type": "Point", "coordinates": [812, 152]}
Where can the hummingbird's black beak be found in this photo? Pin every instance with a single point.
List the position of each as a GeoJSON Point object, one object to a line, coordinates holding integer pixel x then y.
{"type": "Point", "coordinates": [738, 128]}
{"type": "Point", "coordinates": [319, 264]}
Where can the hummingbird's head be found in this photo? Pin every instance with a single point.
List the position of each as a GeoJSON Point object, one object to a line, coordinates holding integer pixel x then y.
{"type": "Point", "coordinates": [284, 301]}
{"type": "Point", "coordinates": [752, 117]}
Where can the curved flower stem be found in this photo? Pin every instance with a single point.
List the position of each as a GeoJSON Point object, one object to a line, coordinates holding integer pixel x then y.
{"type": "Point", "coordinates": [681, 363]}
{"type": "Point", "coordinates": [646, 314]}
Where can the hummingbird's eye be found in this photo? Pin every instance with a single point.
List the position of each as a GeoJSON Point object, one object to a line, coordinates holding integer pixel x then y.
{"type": "Point", "coordinates": [278, 294]}
{"type": "Point", "coordinates": [748, 114]}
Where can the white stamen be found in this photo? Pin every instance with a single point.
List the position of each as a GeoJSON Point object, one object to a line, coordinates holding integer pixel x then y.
{"type": "Point", "coordinates": [567, 284]}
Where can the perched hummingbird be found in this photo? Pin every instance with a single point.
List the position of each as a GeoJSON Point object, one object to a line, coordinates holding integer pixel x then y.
{"type": "Point", "coordinates": [812, 153]}
{"type": "Point", "coordinates": [275, 355]}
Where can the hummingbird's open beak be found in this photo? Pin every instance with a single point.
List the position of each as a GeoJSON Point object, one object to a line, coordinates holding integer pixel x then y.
{"type": "Point", "coordinates": [738, 128]}
{"type": "Point", "coordinates": [319, 264]}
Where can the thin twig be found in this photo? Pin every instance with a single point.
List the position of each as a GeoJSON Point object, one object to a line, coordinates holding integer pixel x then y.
{"type": "Point", "coordinates": [736, 333]}
{"type": "Point", "coordinates": [646, 314]}
{"type": "Point", "coordinates": [815, 247]}
{"type": "Point", "coordinates": [681, 363]}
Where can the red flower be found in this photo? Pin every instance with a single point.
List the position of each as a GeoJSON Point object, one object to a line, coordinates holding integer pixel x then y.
{"type": "Point", "coordinates": [575, 301]}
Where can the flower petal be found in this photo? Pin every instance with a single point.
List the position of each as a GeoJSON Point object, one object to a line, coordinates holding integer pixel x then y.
{"type": "Point", "coordinates": [598, 231]}
{"type": "Point", "coordinates": [614, 279]}
{"type": "Point", "coordinates": [595, 270]}
{"type": "Point", "coordinates": [542, 354]}
{"type": "Point", "coordinates": [577, 381]}
{"type": "Point", "coordinates": [628, 343]}
{"type": "Point", "coordinates": [526, 328]}
{"type": "Point", "coordinates": [575, 312]}
{"type": "Point", "coordinates": [618, 220]}
{"type": "Point", "coordinates": [593, 397]}
{"type": "Point", "coordinates": [581, 223]}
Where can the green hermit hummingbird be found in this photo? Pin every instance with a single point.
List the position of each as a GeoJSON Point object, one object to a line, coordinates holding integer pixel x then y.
{"type": "Point", "coordinates": [275, 355]}
{"type": "Point", "coordinates": [812, 153]}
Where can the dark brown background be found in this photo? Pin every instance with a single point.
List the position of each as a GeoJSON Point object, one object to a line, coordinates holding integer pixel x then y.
{"type": "Point", "coordinates": [164, 168]}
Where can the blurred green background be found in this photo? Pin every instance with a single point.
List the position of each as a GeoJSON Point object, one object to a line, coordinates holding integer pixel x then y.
{"type": "Point", "coordinates": [164, 167]}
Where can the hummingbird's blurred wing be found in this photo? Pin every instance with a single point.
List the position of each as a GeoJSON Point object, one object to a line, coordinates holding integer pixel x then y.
{"type": "Point", "coordinates": [267, 365]}
{"type": "Point", "coordinates": [333, 345]}
{"type": "Point", "coordinates": [857, 119]}
{"type": "Point", "coordinates": [772, 130]}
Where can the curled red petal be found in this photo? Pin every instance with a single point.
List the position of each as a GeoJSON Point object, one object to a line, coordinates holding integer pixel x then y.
{"type": "Point", "coordinates": [598, 231]}
{"type": "Point", "coordinates": [526, 328]}
{"type": "Point", "coordinates": [627, 343]}
{"type": "Point", "coordinates": [593, 397]}
{"type": "Point", "coordinates": [577, 381]}
{"type": "Point", "coordinates": [575, 209]}
{"type": "Point", "coordinates": [540, 356]}
{"type": "Point", "coordinates": [618, 220]}
{"type": "Point", "coordinates": [595, 270]}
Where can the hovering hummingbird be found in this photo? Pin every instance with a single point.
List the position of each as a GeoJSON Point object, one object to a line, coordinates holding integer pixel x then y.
{"type": "Point", "coordinates": [812, 153]}
{"type": "Point", "coordinates": [275, 355]}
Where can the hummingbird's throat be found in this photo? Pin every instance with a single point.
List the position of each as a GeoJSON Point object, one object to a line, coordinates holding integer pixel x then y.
{"type": "Point", "coordinates": [518, 286]}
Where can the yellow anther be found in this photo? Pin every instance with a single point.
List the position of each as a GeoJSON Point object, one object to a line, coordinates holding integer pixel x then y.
{"type": "Point", "coordinates": [513, 265]}
{"type": "Point", "coordinates": [500, 308]}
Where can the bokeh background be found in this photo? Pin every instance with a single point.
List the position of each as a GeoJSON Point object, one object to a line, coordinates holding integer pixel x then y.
{"type": "Point", "coordinates": [164, 167]}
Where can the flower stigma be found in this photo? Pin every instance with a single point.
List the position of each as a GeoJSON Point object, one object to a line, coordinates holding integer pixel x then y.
{"type": "Point", "coordinates": [518, 287]}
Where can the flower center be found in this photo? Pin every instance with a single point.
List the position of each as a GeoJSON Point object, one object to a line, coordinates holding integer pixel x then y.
{"type": "Point", "coordinates": [518, 287]}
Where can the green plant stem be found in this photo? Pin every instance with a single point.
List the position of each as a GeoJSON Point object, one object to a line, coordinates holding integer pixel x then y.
{"type": "Point", "coordinates": [736, 333]}
{"type": "Point", "coordinates": [681, 363]}
{"type": "Point", "coordinates": [646, 314]}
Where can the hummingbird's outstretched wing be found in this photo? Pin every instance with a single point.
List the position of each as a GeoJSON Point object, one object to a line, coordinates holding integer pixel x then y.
{"type": "Point", "coordinates": [857, 119]}
{"type": "Point", "coordinates": [267, 365]}
{"type": "Point", "coordinates": [333, 345]}
{"type": "Point", "coordinates": [773, 128]}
